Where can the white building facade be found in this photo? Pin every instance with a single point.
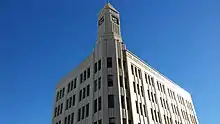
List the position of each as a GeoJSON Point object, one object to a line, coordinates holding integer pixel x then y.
{"type": "Point", "coordinates": [113, 86]}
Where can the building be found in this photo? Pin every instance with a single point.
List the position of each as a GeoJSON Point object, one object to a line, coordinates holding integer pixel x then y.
{"type": "Point", "coordinates": [114, 86]}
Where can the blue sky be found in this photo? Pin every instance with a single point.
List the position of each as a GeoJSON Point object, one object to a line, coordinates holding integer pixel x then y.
{"type": "Point", "coordinates": [42, 40]}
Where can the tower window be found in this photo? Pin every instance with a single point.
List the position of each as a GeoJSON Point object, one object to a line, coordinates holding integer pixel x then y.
{"type": "Point", "coordinates": [99, 64]}
{"type": "Point", "coordinates": [111, 101]}
{"type": "Point", "coordinates": [110, 80]}
{"type": "Point", "coordinates": [109, 62]}
{"type": "Point", "coordinates": [101, 20]}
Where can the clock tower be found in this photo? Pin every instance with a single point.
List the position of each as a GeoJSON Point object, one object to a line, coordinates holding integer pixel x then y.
{"type": "Point", "coordinates": [109, 22]}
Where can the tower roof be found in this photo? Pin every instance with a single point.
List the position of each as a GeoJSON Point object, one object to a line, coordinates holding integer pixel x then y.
{"type": "Point", "coordinates": [109, 6]}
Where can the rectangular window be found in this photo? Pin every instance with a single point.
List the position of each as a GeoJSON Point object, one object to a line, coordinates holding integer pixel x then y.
{"type": "Point", "coordinates": [119, 62]}
{"type": "Point", "coordinates": [95, 85]}
{"type": "Point", "coordinates": [95, 67]}
{"type": "Point", "coordinates": [124, 64]}
{"type": "Point", "coordinates": [99, 82]}
{"type": "Point", "coordinates": [139, 72]}
{"type": "Point", "coordinates": [65, 120]}
{"type": "Point", "coordinates": [88, 72]}
{"type": "Point", "coordinates": [95, 122]}
{"type": "Point", "coordinates": [135, 71]}
{"type": "Point", "coordinates": [161, 101]}
{"type": "Point", "coordinates": [142, 91]}
{"type": "Point", "coordinates": [138, 89]}
{"type": "Point", "coordinates": [84, 75]}
{"type": "Point", "coordinates": [109, 62]}
{"type": "Point", "coordinates": [84, 92]}
{"type": "Point", "coordinates": [67, 104]}
{"type": "Point", "coordinates": [68, 122]}
{"type": "Point", "coordinates": [152, 96]}
{"type": "Point", "coordinates": [112, 120]}
{"type": "Point", "coordinates": [80, 95]}
{"type": "Point", "coordinates": [87, 110]}
{"type": "Point", "coordinates": [72, 118]}
{"type": "Point", "coordinates": [79, 114]}
{"type": "Point", "coordinates": [71, 86]}
{"type": "Point", "coordinates": [141, 109]}
{"type": "Point", "coordinates": [100, 103]}
{"type": "Point", "coordinates": [75, 81]}
{"type": "Point", "coordinates": [121, 81]}
{"type": "Point", "coordinates": [134, 85]}
{"type": "Point", "coordinates": [132, 69]}
{"type": "Point", "coordinates": [99, 65]}
{"type": "Point", "coordinates": [155, 98]}
{"type": "Point", "coordinates": [128, 103]}
{"type": "Point", "coordinates": [155, 115]}
{"type": "Point", "coordinates": [74, 100]}
{"type": "Point", "coordinates": [126, 83]}
{"type": "Point", "coordinates": [95, 105]}
{"type": "Point", "coordinates": [124, 121]}
{"type": "Point", "coordinates": [81, 78]}
{"type": "Point", "coordinates": [137, 107]}
{"type": "Point", "coordinates": [70, 100]}
{"type": "Point", "coordinates": [63, 92]}
{"type": "Point", "coordinates": [148, 92]}
{"type": "Point", "coordinates": [110, 81]}
{"type": "Point", "coordinates": [159, 117]}
{"type": "Point", "coordinates": [111, 101]}
{"type": "Point", "coordinates": [100, 121]}
{"type": "Point", "coordinates": [83, 112]}
{"type": "Point", "coordinates": [88, 90]}
{"type": "Point", "coordinates": [152, 114]}
{"type": "Point", "coordinates": [145, 111]}
{"type": "Point", "coordinates": [55, 112]}
{"type": "Point", "coordinates": [68, 88]}
{"type": "Point", "coordinates": [123, 102]}
{"type": "Point", "coordinates": [57, 98]}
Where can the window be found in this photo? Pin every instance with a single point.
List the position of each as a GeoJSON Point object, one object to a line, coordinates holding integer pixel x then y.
{"type": "Point", "coordinates": [111, 120]}
{"type": "Point", "coordinates": [83, 112]}
{"type": "Point", "coordinates": [68, 119]}
{"type": "Point", "coordinates": [84, 75]}
{"type": "Point", "coordinates": [65, 121]}
{"type": "Point", "coordinates": [152, 114]}
{"type": "Point", "coordinates": [100, 103]}
{"type": "Point", "coordinates": [124, 121]}
{"type": "Point", "coordinates": [68, 88]}
{"type": "Point", "coordinates": [109, 62]}
{"type": "Point", "coordinates": [141, 109]}
{"type": "Point", "coordinates": [121, 81]}
{"type": "Point", "coordinates": [135, 71]}
{"type": "Point", "coordinates": [71, 86]}
{"type": "Point", "coordinates": [137, 106]}
{"type": "Point", "coordinates": [70, 102]}
{"type": "Point", "coordinates": [88, 87]}
{"type": "Point", "coordinates": [122, 102]}
{"type": "Point", "coordinates": [138, 89]}
{"type": "Point", "coordinates": [148, 92]}
{"type": "Point", "coordinates": [88, 72]}
{"type": "Point", "coordinates": [72, 118]}
{"type": "Point", "coordinates": [152, 97]}
{"type": "Point", "coordinates": [111, 101]}
{"type": "Point", "coordinates": [142, 91]}
{"type": "Point", "coordinates": [152, 81]}
{"type": "Point", "coordinates": [161, 101]}
{"type": "Point", "coordinates": [126, 83]}
{"type": "Point", "coordinates": [95, 122]}
{"type": "Point", "coordinates": [95, 67]}
{"type": "Point", "coordinates": [124, 64]}
{"type": "Point", "coordinates": [55, 112]}
{"type": "Point", "coordinates": [61, 108]}
{"type": "Point", "coordinates": [99, 64]}
{"type": "Point", "coordinates": [139, 72]}
{"type": "Point", "coordinates": [87, 110]}
{"type": "Point", "coordinates": [128, 103]}
{"type": "Point", "coordinates": [67, 104]}
{"type": "Point", "coordinates": [158, 86]}
{"type": "Point", "coordinates": [145, 111]}
{"type": "Point", "coordinates": [75, 81]}
{"type": "Point", "coordinates": [58, 93]}
{"type": "Point", "coordinates": [95, 85]}
{"type": "Point", "coordinates": [95, 105]}
{"type": "Point", "coordinates": [99, 82]}
{"type": "Point", "coordinates": [84, 92]}
{"type": "Point", "coordinates": [81, 78]}
{"type": "Point", "coordinates": [79, 114]}
{"type": "Point", "coordinates": [134, 87]}
{"type": "Point", "coordinates": [100, 121]}
{"type": "Point", "coordinates": [155, 114]}
{"type": "Point", "coordinates": [74, 99]}
{"type": "Point", "coordinates": [155, 97]}
{"type": "Point", "coordinates": [63, 92]}
{"type": "Point", "coordinates": [159, 118]}
{"type": "Point", "coordinates": [80, 95]}
{"type": "Point", "coordinates": [132, 69]}
{"type": "Point", "coordinates": [119, 62]}
{"type": "Point", "coordinates": [110, 81]}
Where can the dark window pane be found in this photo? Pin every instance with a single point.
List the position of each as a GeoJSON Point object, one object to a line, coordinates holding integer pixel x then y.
{"type": "Point", "coordinates": [80, 95]}
{"type": "Point", "coordinates": [110, 80]}
{"type": "Point", "coordinates": [123, 102]}
{"type": "Point", "coordinates": [124, 121]}
{"type": "Point", "coordinates": [83, 112]}
{"type": "Point", "coordinates": [88, 90]}
{"type": "Point", "coordinates": [95, 105]}
{"type": "Point", "coordinates": [126, 83]}
{"type": "Point", "coordinates": [84, 75]}
{"type": "Point", "coordinates": [65, 120]}
{"type": "Point", "coordinates": [109, 62]}
{"type": "Point", "coordinates": [128, 103]}
{"type": "Point", "coordinates": [84, 92]}
{"type": "Point", "coordinates": [87, 110]}
{"type": "Point", "coordinates": [63, 92]}
{"type": "Point", "coordinates": [112, 120]}
{"type": "Point", "coordinates": [57, 98]}
{"type": "Point", "coordinates": [136, 106]}
{"type": "Point", "coordinates": [68, 119]}
{"type": "Point", "coordinates": [72, 118]}
{"type": "Point", "coordinates": [73, 100]}
{"type": "Point", "coordinates": [99, 64]}
{"type": "Point", "coordinates": [88, 72]}
{"type": "Point", "coordinates": [81, 78]}
{"type": "Point", "coordinates": [71, 86]}
{"type": "Point", "coordinates": [99, 82]}
{"type": "Point", "coordinates": [100, 103]}
{"type": "Point", "coordinates": [95, 85]}
{"type": "Point", "coordinates": [119, 62]}
{"type": "Point", "coordinates": [110, 101]}
{"type": "Point", "coordinates": [138, 89]}
{"type": "Point", "coordinates": [75, 81]}
{"type": "Point", "coordinates": [152, 114]}
{"type": "Point", "coordinates": [132, 69]}
{"type": "Point", "coordinates": [67, 104]}
{"type": "Point", "coordinates": [70, 102]}
{"type": "Point", "coordinates": [68, 88]}
{"type": "Point", "coordinates": [95, 68]}
{"type": "Point", "coordinates": [121, 81]}
{"type": "Point", "coordinates": [79, 114]}
{"type": "Point", "coordinates": [134, 85]}
{"type": "Point", "coordinates": [141, 109]}
{"type": "Point", "coordinates": [100, 122]}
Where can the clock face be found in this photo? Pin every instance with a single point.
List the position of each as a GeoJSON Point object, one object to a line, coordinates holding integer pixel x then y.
{"type": "Point", "coordinates": [101, 20]}
{"type": "Point", "coordinates": [115, 20]}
